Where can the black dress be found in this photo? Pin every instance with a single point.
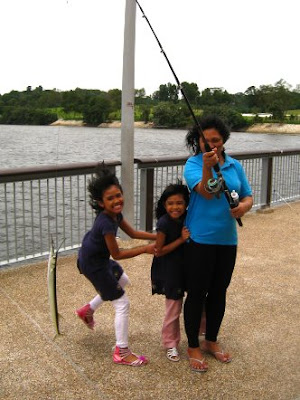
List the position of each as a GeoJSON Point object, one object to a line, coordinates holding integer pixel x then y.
{"type": "Point", "coordinates": [167, 275]}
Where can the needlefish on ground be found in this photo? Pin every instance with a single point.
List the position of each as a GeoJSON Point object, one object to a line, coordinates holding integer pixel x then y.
{"type": "Point", "coordinates": [51, 281]}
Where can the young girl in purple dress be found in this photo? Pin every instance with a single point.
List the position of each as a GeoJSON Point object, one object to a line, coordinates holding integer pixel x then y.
{"type": "Point", "coordinates": [106, 275]}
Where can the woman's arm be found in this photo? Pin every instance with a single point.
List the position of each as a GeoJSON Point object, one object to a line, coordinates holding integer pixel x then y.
{"type": "Point", "coordinates": [244, 206]}
{"type": "Point", "coordinates": [119, 254]}
{"type": "Point", "coordinates": [161, 249]}
{"type": "Point", "coordinates": [128, 229]}
{"type": "Point", "coordinates": [209, 160]}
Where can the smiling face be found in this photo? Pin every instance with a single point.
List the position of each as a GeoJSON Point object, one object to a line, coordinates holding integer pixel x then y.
{"type": "Point", "coordinates": [214, 139]}
{"type": "Point", "coordinates": [175, 206]}
{"type": "Point", "coordinates": [112, 201]}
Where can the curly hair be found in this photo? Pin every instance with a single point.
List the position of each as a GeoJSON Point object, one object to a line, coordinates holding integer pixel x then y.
{"type": "Point", "coordinates": [99, 183]}
{"type": "Point", "coordinates": [208, 122]}
{"type": "Point", "coordinates": [171, 190]}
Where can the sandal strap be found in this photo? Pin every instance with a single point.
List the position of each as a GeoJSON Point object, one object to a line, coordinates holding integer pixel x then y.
{"type": "Point", "coordinates": [124, 352]}
{"type": "Point", "coordinates": [197, 360]}
{"type": "Point", "coordinates": [139, 361]}
{"type": "Point", "coordinates": [172, 352]}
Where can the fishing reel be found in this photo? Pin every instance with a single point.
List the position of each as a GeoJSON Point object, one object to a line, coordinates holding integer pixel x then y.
{"type": "Point", "coordinates": [215, 186]}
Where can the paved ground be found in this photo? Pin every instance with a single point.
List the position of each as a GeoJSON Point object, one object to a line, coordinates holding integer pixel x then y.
{"type": "Point", "coordinates": [260, 328]}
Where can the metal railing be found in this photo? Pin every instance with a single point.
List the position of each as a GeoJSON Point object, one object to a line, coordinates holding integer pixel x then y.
{"type": "Point", "coordinates": [273, 176]}
{"type": "Point", "coordinates": [39, 202]}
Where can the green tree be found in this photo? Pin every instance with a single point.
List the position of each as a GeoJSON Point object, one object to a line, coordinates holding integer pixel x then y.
{"type": "Point", "coordinates": [276, 108]}
{"type": "Point", "coordinates": [145, 112]}
{"type": "Point", "coordinates": [170, 115]}
{"type": "Point", "coordinates": [26, 116]}
{"type": "Point", "coordinates": [215, 96]}
{"type": "Point", "coordinates": [167, 92]}
{"type": "Point", "coordinates": [191, 91]}
{"type": "Point", "coordinates": [115, 97]}
{"type": "Point", "coordinates": [267, 98]}
{"type": "Point", "coordinates": [231, 117]}
{"type": "Point", "coordinates": [97, 110]}
{"type": "Point", "coordinates": [139, 93]}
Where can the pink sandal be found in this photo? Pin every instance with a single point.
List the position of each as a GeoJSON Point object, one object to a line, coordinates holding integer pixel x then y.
{"type": "Point", "coordinates": [120, 354]}
{"type": "Point", "coordinates": [85, 313]}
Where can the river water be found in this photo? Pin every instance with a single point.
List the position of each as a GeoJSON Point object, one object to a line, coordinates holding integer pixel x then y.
{"type": "Point", "coordinates": [22, 146]}
{"type": "Point", "coordinates": [44, 145]}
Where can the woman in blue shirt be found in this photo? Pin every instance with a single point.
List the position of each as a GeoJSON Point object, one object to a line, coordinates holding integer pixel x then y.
{"type": "Point", "coordinates": [211, 251]}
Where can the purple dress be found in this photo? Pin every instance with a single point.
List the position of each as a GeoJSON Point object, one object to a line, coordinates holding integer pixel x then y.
{"type": "Point", "coordinates": [94, 258]}
{"type": "Point", "coordinates": [167, 272]}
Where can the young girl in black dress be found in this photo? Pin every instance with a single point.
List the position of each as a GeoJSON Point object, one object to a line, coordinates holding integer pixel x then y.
{"type": "Point", "coordinates": [167, 273]}
{"type": "Point", "coordinates": [106, 275]}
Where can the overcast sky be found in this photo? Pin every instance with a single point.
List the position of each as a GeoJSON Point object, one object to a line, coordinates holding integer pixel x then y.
{"type": "Point", "coordinates": [233, 44]}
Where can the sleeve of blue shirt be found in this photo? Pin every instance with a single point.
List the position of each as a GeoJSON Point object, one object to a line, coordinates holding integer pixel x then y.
{"type": "Point", "coordinates": [193, 171]}
{"type": "Point", "coordinates": [245, 189]}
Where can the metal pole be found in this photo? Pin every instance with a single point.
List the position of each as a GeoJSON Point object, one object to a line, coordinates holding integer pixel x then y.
{"type": "Point", "coordinates": [127, 130]}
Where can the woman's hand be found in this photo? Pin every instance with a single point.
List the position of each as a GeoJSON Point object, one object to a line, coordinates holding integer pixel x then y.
{"type": "Point", "coordinates": [244, 206]}
{"type": "Point", "coordinates": [210, 158]}
{"type": "Point", "coordinates": [185, 233]}
{"type": "Point", "coordinates": [238, 211]}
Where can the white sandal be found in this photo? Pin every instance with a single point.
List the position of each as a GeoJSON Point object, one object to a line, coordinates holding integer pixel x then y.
{"type": "Point", "coordinates": [172, 354]}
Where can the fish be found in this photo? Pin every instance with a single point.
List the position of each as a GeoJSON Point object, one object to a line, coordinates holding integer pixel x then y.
{"type": "Point", "coordinates": [52, 295]}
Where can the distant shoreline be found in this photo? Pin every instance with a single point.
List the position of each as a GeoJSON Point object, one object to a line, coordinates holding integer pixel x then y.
{"type": "Point", "coordinates": [113, 124]}
{"type": "Point", "coordinates": [274, 128]}
{"type": "Point", "coordinates": [271, 128]}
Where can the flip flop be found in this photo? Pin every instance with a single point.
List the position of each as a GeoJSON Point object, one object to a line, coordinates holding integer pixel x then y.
{"type": "Point", "coordinates": [201, 362]}
{"type": "Point", "coordinates": [217, 355]}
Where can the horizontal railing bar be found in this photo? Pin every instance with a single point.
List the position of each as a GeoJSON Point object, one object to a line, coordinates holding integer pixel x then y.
{"type": "Point", "coordinates": [50, 171]}
{"type": "Point", "coordinates": [37, 256]}
{"type": "Point", "coordinates": [161, 161]}
{"type": "Point", "coordinates": [263, 154]}
{"type": "Point", "coordinates": [148, 162]}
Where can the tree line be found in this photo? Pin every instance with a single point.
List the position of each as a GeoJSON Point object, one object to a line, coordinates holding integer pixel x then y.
{"type": "Point", "coordinates": [165, 107]}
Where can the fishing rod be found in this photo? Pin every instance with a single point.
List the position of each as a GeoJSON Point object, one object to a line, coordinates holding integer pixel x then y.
{"type": "Point", "coordinates": [215, 186]}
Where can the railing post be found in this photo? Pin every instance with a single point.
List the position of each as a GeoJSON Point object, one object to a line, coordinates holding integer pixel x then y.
{"type": "Point", "coordinates": [266, 181]}
{"type": "Point", "coordinates": [146, 199]}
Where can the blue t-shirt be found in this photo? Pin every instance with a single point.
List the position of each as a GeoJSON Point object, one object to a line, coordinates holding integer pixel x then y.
{"type": "Point", "coordinates": [210, 221]}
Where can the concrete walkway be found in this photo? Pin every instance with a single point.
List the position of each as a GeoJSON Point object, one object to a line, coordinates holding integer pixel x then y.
{"type": "Point", "coordinates": [260, 328]}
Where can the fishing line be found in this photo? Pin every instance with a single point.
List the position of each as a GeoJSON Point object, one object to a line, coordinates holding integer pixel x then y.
{"type": "Point", "coordinates": [57, 245]}
{"type": "Point", "coordinates": [56, 176]}
{"type": "Point", "coordinates": [276, 192]}
{"type": "Point", "coordinates": [220, 182]}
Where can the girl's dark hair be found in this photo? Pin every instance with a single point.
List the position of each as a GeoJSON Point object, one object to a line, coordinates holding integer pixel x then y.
{"type": "Point", "coordinates": [100, 182]}
{"type": "Point", "coordinates": [171, 190]}
{"type": "Point", "coordinates": [208, 122]}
